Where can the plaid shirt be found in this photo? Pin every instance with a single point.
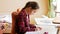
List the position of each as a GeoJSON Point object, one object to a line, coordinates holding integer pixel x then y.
{"type": "Point", "coordinates": [24, 22]}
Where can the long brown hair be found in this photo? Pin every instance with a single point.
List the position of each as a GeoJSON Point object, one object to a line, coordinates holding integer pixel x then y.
{"type": "Point", "coordinates": [31, 4]}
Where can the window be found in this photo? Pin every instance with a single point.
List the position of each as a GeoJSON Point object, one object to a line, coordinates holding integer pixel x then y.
{"type": "Point", "coordinates": [52, 8]}
{"type": "Point", "coordinates": [58, 8]}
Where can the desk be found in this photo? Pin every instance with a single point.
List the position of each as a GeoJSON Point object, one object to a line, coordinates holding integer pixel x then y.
{"type": "Point", "coordinates": [33, 32]}
{"type": "Point", "coordinates": [48, 21]}
{"type": "Point", "coordinates": [51, 29]}
{"type": "Point", "coordinates": [58, 31]}
{"type": "Point", "coordinates": [57, 21]}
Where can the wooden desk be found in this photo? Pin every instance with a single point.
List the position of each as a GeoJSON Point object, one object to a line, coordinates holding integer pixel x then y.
{"type": "Point", "coordinates": [58, 32]}
{"type": "Point", "coordinates": [57, 21]}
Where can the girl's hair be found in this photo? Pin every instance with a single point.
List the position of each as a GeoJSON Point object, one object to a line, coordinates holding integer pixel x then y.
{"type": "Point", "coordinates": [31, 4]}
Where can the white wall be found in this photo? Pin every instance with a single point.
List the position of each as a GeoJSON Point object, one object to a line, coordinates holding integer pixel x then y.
{"type": "Point", "coordinates": [58, 5]}
{"type": "Point", "coordinates": [6, 6]}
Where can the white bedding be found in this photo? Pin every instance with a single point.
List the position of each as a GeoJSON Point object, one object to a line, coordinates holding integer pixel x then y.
{"type": "Point", "coordinates": [6, 18]}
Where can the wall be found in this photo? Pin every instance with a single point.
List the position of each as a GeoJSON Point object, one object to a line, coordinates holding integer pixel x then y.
{"type": "Point", "coordinates": [42, 11]}
{"type": "Point", "coordinates": [8, 6]}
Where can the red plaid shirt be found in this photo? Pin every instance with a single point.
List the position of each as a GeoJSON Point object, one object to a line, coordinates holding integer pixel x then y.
{"type": "Point", "coordinates": [24, 22]}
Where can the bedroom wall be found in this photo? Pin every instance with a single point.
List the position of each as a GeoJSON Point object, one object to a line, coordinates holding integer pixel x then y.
{"type": "Point", "coordinates": [8, 6]}
{"type": "Point", "coordinates": [42, 11]}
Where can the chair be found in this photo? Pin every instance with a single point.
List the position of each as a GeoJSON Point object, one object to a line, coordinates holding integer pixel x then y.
{"type": "Point", "coordinates": [14, 15]}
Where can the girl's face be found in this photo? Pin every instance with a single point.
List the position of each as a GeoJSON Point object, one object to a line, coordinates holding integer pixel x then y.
{"type": "Point", "coordinates": [33, 11]}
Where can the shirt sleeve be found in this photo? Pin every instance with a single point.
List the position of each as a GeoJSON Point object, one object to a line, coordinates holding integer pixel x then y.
{"type": "Point", "coordinates": [32, 26]}
{"type": "Point", "coordinates": [23, 24]}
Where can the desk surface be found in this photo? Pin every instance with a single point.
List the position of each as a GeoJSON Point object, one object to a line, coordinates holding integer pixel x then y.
{"type": "Point", "coordinates": [56, 20]}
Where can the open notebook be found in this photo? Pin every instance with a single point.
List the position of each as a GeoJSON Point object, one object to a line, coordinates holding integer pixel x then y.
{"type": "Point", "coordinates": [45, 28]}
{"type": "Point", "coordinates": [43, 20]}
